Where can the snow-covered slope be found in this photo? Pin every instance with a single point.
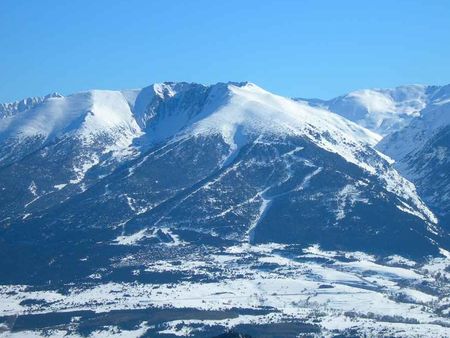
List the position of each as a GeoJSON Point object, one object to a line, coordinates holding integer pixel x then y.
{"type": "Point", "coordinates": [432, 119]}
{"type": "Point", "coordinates": [422, 152]}
{"type": "Point", "coordinates": [84, 115]}
{"type": "Point", "coordinates": [414, 122]}
{"type": "Point", "coordinates": [381, 110]}
{"type": "Point", "coordinates": [250, 109]}
{"type": "Point", "coordinates": [11, 108]}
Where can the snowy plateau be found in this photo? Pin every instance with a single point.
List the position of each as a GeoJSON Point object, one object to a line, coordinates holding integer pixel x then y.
{"type": "Point", "coordinates": [181, 209]}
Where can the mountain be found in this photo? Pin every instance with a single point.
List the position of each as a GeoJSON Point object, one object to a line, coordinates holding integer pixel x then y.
{"type": "Point", "coordinates": [414, 122]}
{"type": "Point", "coordinates": [11, 108]}
{"type": "Point", "coordinates": [191, 147]}
{"type": "Point", "coordinates": [154, 208]}
{"type": "Point", "coordinates": [47, 150]}
{"type": "Point", "coordinates": [421, 151]}
{"type": "Point", "coordinates": [382, 111]}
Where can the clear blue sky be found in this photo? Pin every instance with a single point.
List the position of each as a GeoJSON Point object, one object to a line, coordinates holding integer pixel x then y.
{"type": "Point", "coordinates": [295, 48]}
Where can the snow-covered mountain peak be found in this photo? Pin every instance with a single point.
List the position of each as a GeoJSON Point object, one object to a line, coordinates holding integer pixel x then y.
{"type": "Point", "coordinates": [11, 108]}
{"type": "Point", "coordinates": [386, 111]}
{"type": "Point", "coordinates": [167, 90]}
{"type": "Point", "coordinates": [83, 113]}
{"type": "Point", "coordinates": [251, 109]}
{"type": "Point", "coordinates": [407, 100]}
{"type": "Point", "coordinates": [98, 111]}
{"type": "Point", "coordinates": [432, 120]}
{"type": "Point", "coordinates": [381, 110]}
{"type": "Point", "coordinates": [165, 109]}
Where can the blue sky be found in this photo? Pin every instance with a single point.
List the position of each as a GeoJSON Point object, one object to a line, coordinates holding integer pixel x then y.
{"type": "Point", "coordinates": [295, 48]}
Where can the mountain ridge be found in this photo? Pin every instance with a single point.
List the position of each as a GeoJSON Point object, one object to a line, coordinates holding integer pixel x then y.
{"type": "Point", "coordinates": [414, 121]}
{"type": "Point", "coordinates": [383, 110]}
{"type": "Point", "coordinates": [242, 127]}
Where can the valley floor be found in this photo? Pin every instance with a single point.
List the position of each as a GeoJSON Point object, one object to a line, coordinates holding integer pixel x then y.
{"type": "Point", "coordinates": [264, 290]}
